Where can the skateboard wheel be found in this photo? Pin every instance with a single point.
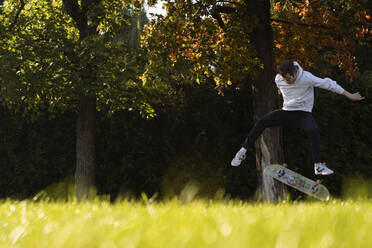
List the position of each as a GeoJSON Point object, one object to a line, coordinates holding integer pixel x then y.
{"type": "Point", "coordinates": [281, 173]}
{"type": "Point", "coordinates": [314, 188]}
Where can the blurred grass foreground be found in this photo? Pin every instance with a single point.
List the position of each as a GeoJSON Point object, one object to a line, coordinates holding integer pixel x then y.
{"type": "Point", "coordinates": [194, 224]}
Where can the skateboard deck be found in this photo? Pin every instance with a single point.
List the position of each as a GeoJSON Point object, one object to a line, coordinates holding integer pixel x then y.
{"type": "Point", "coordinates": [297, 181]}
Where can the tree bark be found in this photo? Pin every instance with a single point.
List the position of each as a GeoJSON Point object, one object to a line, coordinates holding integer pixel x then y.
{"type": "Point", "coordinates": [265, 99]}
{"type": "Point", "coordinates": [85, 147]}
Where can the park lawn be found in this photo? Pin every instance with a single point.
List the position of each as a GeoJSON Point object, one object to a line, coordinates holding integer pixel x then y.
{"type": "Point", "coordinates": [195, 224]}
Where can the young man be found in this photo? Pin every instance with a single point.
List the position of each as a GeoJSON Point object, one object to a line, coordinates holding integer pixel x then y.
{"type": "Point", "coordinates": [297, 88]}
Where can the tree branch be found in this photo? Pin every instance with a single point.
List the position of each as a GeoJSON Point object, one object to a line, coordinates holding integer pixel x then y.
{"type": "Point", "coordinates": [314, 25]}
{"type": "Point", "coordinates": [229, 2]}
{"type": "Point", "coordinates": [86, 3]}
{"type": "Point", "coordinates": [217, 10]}
{"type": "Point", "coordinates": [218, 18]}
{"type": "Point", "coordinates": [302, 24]}
{"type": "Point", "coordinates": [79, 15]}
{"type": "Point", "coordinates": [17, 15]}
{"type": "Point", "coordinates": [73, 9]}
{"type": "Point", "coordinates": [224, 9]}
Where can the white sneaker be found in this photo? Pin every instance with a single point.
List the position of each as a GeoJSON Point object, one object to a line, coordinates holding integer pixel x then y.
{"type": "Point", "coordinates": [239, 157]}
{"type": "Point", "coordinates": [322, 169]}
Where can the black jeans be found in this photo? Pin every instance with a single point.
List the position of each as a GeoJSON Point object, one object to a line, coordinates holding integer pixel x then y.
{"type": "Point", "coordinates": [277, 118]}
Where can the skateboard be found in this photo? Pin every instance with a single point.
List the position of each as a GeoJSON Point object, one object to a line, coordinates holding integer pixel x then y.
{"type": "Point", "coordinates": [297, 181]}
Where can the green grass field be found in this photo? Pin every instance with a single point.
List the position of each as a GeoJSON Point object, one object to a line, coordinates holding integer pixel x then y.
{"type": "Point", "coordinates": [196, 224]}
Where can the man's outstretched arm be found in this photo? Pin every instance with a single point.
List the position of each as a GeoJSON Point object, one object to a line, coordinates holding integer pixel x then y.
{"type": "Point", "coordinates": [354, 96]}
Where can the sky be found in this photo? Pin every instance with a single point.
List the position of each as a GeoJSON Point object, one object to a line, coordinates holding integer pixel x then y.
{"type": "Point", "coordinates": [157, 9]}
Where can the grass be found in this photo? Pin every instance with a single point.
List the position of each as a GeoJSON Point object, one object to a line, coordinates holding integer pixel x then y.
{"type": "Point", "coordinates": [195, 224]}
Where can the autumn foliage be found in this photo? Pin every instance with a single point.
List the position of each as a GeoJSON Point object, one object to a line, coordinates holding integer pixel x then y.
{"type": "Point", "coordinates": [213, 39]}
{"type": "Point", "coordinates": [193, 41]}
{"type": "Point", "coordinates": [305, 30]}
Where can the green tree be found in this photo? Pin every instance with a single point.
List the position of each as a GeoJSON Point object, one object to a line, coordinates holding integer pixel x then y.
{"type": "Point", "coordinates": [72, 54]}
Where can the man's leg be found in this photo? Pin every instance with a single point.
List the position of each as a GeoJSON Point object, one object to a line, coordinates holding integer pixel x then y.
{"type": "Point", "coordinates": [307, 122]}
{"type": "Point", "coordinates": [272, 119]}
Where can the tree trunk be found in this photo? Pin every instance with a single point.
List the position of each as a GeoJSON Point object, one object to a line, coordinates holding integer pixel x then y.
{"type": "Point", "coordinates": [265, 99]}
{"type": "Point", "coordinates": [85, 147]}
{"type": "Point", "coordinates": [86, 121]}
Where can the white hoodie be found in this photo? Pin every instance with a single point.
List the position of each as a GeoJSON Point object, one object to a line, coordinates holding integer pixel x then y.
{"type": "Point", "coordinates": [300, 94]}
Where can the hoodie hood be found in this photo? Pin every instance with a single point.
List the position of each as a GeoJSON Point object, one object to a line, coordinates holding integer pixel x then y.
{"type": "Point", "coordinates": [299, 71]}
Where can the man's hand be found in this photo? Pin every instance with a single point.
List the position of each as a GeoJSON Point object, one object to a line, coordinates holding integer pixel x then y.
{"type": "Point", "coordinates": [353, 97]}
